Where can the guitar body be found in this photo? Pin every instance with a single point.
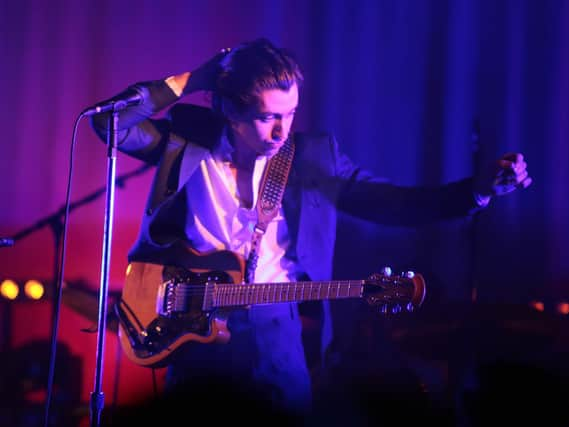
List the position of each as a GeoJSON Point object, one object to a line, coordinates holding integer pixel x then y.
{"type": "Point", "coordinates": [149, 334]}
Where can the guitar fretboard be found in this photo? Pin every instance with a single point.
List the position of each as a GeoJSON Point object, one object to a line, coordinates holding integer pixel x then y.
{"type": "Point", "coordinates": [223, 295]}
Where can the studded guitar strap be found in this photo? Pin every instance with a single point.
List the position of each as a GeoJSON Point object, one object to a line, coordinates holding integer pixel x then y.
{"type": "Point", "coordinates": [271, 193]}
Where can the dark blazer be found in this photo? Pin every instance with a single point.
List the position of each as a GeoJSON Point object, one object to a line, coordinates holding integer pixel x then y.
{"type": "Point", "coordinates": [322, 181]}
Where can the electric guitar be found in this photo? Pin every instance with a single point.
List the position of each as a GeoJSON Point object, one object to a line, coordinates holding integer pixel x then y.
{"type": "Point", "coordinates": [165, 306]}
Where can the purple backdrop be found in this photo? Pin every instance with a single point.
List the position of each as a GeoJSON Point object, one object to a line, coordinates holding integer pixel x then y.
{"type": "Point", "coordinates": [403, 85]}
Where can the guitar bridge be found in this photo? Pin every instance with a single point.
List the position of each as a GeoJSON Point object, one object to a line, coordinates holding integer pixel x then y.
{"type": "Point", "coordinates": [170, 299]}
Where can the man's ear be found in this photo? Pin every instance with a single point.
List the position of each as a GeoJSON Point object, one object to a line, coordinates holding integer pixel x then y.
{"type": "Point", "coordinates": [232, 115]}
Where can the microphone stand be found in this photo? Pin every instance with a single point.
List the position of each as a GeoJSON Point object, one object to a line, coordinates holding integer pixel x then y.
{"type": "Point", "coordinates": [476, 154]}
{"type": "Point", "coordinates": [55, 223]}
{"type": "Point", "coordinates": [97, 396]}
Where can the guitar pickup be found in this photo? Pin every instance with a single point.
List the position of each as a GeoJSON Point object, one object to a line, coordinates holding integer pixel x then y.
{"type": "Point", "coordinates": [171, 299]}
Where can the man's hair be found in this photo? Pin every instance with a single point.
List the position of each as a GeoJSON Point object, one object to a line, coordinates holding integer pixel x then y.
{"type": "Point", "coordinates": [251, 68]}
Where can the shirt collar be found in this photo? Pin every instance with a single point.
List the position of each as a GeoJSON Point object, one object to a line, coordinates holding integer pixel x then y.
{"type": "Point", "coordinates": [224, 150]}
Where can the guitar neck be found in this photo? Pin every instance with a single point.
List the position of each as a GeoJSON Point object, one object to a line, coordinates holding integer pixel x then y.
{"type": "Point", "coordinates": [224, 295]}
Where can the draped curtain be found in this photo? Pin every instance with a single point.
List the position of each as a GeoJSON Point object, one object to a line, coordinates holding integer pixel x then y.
{"type": "Point", "coordinates": [421, 92]}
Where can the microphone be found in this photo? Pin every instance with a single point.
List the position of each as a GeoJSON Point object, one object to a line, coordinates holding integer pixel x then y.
{"type": "Point", "coordinates": [126, 99]}
{"type": "Point", "coordinates": [6, 241]}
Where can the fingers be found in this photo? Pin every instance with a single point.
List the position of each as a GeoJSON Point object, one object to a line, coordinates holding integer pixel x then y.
{"type": "Point", "coordinates": [525, 183]}
{"type": "Point", "coordinates": [511, 173]}
{"type": "Point", "coordinates": [513, 157]}
{"type": "Point", "coordinates": [513, 165]}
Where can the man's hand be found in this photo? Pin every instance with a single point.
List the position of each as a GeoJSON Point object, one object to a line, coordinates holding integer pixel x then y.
{"type": "Point", "coordinates": [507, 174]}
{"type": "Point", "coordinates": [204, 77]}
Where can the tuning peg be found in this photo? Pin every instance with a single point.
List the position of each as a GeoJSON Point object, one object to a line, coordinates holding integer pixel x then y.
{"type": "Point", "coordinates": [396, 309]}
{"type": "Point", "coordinates": [409, 274]}
{"type": "Point", "coordinates": [410, 307]}
{"type": "Point", "coordinates": [386, 271]}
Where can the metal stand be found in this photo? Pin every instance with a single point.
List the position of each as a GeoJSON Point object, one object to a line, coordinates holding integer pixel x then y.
{"type": "Point", "coordinates": [97, 396]}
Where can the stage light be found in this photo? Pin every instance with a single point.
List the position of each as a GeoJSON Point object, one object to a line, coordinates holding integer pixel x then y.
{"type": "Point", "coordinates": [9, 289]}
{"type": "Point", "coordinates": [563, 308]}
{"type": "Point", "coordinates": [34, 289]}
{"type": "Point", "coordinates": [537, 305]}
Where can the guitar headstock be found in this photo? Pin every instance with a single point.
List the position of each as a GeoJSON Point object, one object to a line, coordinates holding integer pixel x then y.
{"type": "Point", "coordinates": [394, 293]}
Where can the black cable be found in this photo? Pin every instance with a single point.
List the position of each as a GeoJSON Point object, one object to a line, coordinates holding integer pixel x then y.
{"type": "Point", "coordinates": [60, 275]}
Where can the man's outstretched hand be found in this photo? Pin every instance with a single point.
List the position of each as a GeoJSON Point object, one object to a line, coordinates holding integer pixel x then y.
{"type": "Point", "coordinates": [504, 176]}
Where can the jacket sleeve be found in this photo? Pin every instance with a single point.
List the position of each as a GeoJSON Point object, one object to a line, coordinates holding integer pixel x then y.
{"type": "Point", "coordinates": [138, 134]}
{"type": "Point", "coordinates": [366, 196]}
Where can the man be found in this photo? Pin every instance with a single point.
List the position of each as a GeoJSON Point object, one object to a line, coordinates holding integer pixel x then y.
{"type": "Point", "coordinates": [209, 165]}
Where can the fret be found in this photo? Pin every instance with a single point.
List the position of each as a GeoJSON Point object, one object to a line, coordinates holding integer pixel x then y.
{"type": "Point", "coordinates": [322, 293]}
{"type": "Point", "coordinates": [316, 291]}
{"type": "Point", "coordinates": [218, 291]}
{"type": "Point", "coordinates": [342, 289]}
{"type": "Point", "coordinates": [229, 295]}
{"type": "Point", "coordinates": [235, 295]}
{"type": "Point", "coordinates": [226, 295]}
{"type": "Point", "coordinates": [215, 293]}
{"type": "Point", "coordinates": [216, 296]}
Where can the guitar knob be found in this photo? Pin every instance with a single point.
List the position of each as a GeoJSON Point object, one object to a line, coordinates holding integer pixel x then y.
{"type": "Point", "coordinates": [409, 274]}
{"type": "Point", "coordinates": [396, 309]}
{"type": "Point", "coordinates": [383, 309]}
{"type": "Point", "coordinates": [410, 307]}
{"type": "Point", "coordinates": [386, 271]}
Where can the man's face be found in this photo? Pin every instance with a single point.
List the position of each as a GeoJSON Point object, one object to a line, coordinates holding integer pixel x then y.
{"type": "Point", "coordinates": [264, 129]}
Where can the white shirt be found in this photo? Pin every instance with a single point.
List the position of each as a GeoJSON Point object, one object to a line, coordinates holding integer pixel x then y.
{"type": "Point", "coordinates": [216, 221]}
